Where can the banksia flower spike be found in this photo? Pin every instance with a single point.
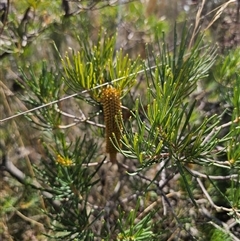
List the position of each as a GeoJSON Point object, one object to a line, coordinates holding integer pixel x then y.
{"type": "Point", "coordinates": [110, 100]}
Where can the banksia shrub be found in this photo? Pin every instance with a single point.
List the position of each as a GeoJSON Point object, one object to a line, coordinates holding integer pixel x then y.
{"type": "Point", "coordinates": [153, 191]}
{"type": "Point", "coordinates": [107, 76]}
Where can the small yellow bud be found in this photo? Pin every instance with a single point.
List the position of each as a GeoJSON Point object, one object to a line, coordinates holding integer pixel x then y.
{"type": "Point", "coordinates": [64, 161]}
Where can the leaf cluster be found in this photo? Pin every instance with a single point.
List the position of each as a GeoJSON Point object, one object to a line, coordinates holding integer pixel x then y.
{"type": "Point", "coordinates": [163, 125]}
{"type": "Point", "coordinates": [71, 185]}
{"type": "Point", "coordinates": [41, 89]}
{"type": "Point", "coordinates": [94, 66]}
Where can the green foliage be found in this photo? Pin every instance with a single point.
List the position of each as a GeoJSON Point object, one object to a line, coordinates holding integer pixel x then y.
{"type": "Point", "coordinates": [167, 115]}
{"type": "Point", "coordinates": [140, 230]}
{"type": "Point", "coordinates": [226, 67]}
{"type": "Point", "coordinates": [95, 65]}
{"type": "Point", "coordinates": [178, 175]}
{"type": "Point", "coordinates": [233, 146]}
{"type": "Point", "coordinates": [70, 183]}
{"type": "Point", "coordinates": [43, 89]}
{"type": "Point", "coordinates": [215, 233]}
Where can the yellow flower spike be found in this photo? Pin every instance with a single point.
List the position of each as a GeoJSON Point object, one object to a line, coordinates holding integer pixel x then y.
{"type": "Point", "coordinates": [64, 161]}
{"type": "Point", "coordinates": [110, 100]}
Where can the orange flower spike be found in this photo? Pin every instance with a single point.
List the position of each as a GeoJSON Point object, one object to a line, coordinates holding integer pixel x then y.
{"type": "Point", "coordinates": [110, 99]}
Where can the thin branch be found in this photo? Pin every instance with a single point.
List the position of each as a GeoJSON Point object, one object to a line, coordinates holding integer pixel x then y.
{"type": "Point", "coordinates": [218, 223]}
{"type": "Point", "coordinates": [33, 222]}
{"type": "Point", "coordinates": [234, 238]}
{"type": "Point", "coordinates": [223, 178]}
{"type": "Point", "coordinates": [8, 166]}
{"type": "Point", "coordinates": [73, 95]}
{"type": "Point", "coordinates": [81, 119]}
{"type": "Point", "coordinates": [163, 195]}
{"type": "Point", "coordinates": [157, 202]}
{"type": "Point", "coordinates": [214, 130]}
{"type": "Point", "coordinates": [219, 13]}
{"type": "Point", "coordinates": [218, 208]}
{"type": "Point", "coordinates": [197, 21]}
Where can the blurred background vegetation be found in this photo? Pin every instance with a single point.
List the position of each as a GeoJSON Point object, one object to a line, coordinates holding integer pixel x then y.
{"type": "Point", "coordinates": [33, 34]}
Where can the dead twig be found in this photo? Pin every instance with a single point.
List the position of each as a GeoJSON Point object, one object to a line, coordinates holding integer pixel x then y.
{"type": "Point", "coordinates": [82, 119]}
{"type": "Point", "coordinates": [219, 13]}
{"type": "Point", "coordinates": [217, 208]}
{"type": "Point", "coordinates": [234, 238]}
{"type": "Point", "coordinates": [223, 178]}
{"type": "Point", "coordinates": [197, 22]}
